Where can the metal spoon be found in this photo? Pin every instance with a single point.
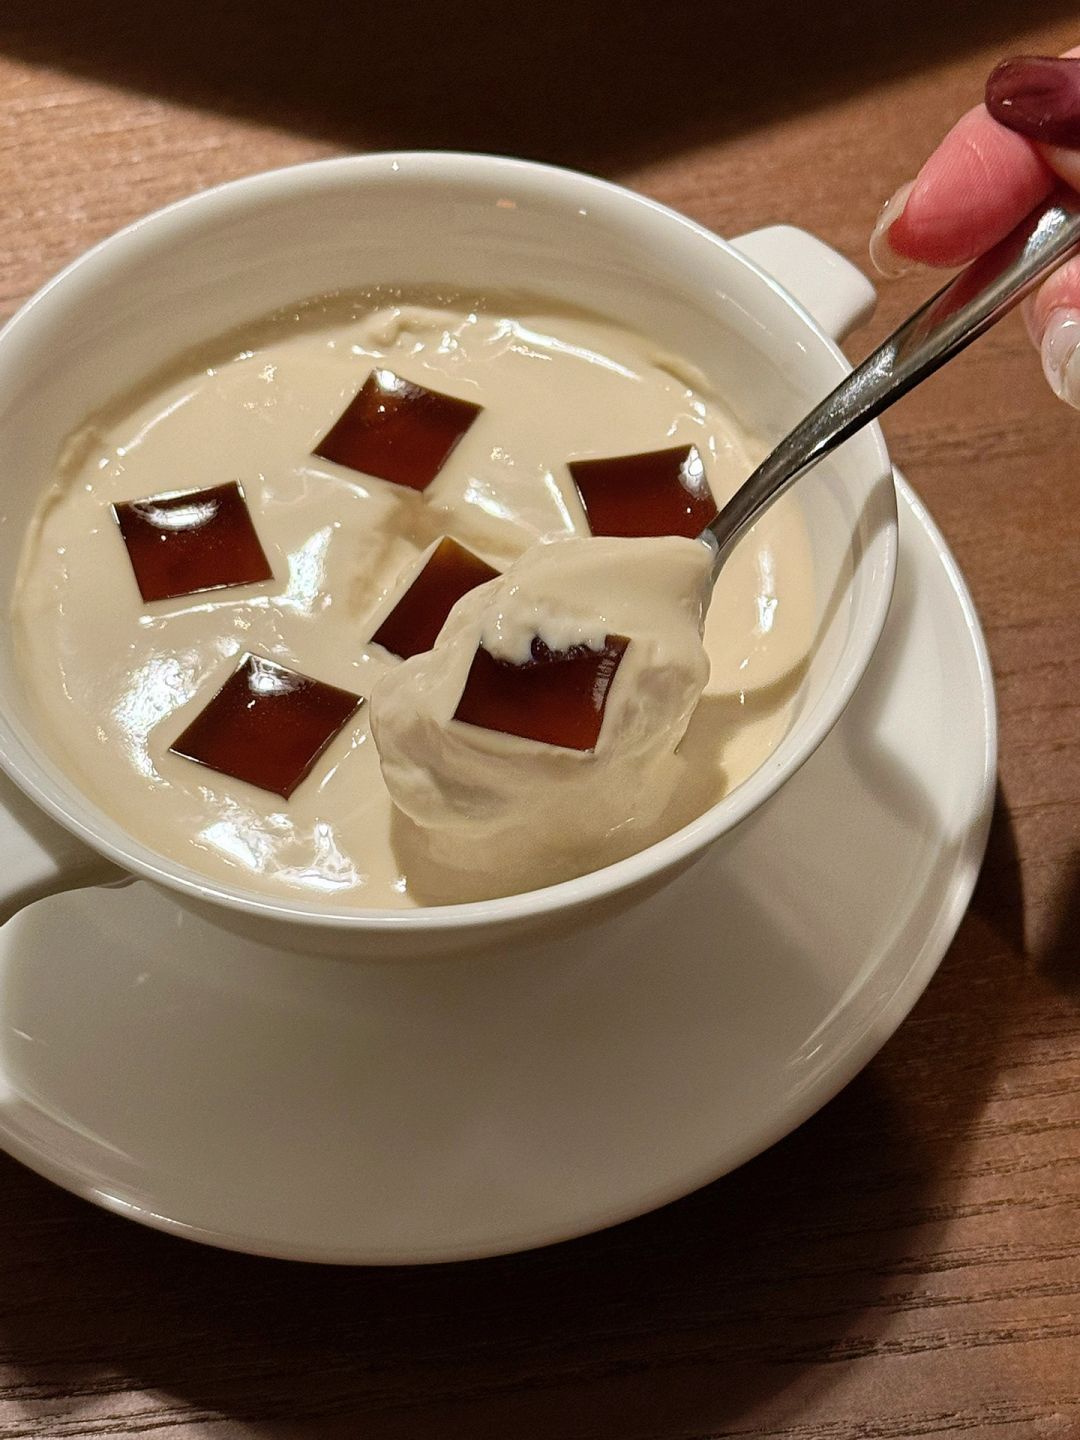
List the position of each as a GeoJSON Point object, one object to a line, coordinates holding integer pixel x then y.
{"type": "Point", "coordinates": [967, 306]}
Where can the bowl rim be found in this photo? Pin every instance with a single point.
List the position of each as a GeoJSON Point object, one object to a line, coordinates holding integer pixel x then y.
{"type": "Point", "coordinates": [33, 773]}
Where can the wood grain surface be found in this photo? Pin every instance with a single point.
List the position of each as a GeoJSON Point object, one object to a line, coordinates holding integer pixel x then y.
{"type": "Point", "coordinates": [907, 1264]}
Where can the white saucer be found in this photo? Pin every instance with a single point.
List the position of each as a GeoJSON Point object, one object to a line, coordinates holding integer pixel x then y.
{"type": "Point", "coordinates": [326, 1110]}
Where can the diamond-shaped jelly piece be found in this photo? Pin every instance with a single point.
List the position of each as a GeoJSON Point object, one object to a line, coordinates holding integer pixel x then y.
{"type": "Point", "coordinates": [267, 725]}
{"type": "Point", "coordinates": [415, 621]}
{"type": "Point", "coordinates": [184, 544]}
{"type": "Point", "coordinates": [397, 430]}
{"type": "Point", "coordinates": [660, 492]}
{"type": "Point", "coordinates": [556, 697]}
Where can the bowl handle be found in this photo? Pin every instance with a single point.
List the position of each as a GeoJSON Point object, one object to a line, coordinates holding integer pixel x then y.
{"type": "Point", "coordinates": [39, 857]}
{"type": "Point", "coordinates": [837, 296]}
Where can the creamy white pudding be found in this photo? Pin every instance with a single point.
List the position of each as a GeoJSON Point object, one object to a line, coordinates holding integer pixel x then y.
{"type": "Point", "coordinates": [115, 680]}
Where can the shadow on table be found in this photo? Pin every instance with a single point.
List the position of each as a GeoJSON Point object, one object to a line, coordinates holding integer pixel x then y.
{"type": "Point", "coordinates": [1060, 960]}
{"type": "Point", "coordinates": [688, 1321]}
{"type": "Point", "coordinates": [591, 83]}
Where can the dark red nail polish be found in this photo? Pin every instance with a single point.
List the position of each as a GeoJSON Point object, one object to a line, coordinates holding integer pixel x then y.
{"type": "Point", "coordinates": [1038, 96]}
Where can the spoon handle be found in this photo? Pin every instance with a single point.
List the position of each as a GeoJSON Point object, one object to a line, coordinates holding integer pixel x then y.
{"type": "Point", "coordinates": [968, 305]}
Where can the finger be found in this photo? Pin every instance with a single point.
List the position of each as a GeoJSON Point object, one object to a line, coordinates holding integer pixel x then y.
{"type": "Point", "coordinates": [1053, 320]}
{"type": "Point", "coordinates": [980, 182]}
{"type": "Point", "coordinates": [992, 168]}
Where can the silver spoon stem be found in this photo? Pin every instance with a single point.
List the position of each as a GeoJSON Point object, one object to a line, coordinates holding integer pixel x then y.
{"type": "Point", "coordinates": [967, 306]}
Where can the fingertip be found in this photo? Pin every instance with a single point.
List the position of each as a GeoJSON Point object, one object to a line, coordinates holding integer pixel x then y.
{"type": "Point", "coordinates": [980, 182]}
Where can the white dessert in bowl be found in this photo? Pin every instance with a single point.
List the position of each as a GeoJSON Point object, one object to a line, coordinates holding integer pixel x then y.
{"type": "Point", "coordinates": [115, 679]}
{"type": "Point", "coordinates": [482, 225]}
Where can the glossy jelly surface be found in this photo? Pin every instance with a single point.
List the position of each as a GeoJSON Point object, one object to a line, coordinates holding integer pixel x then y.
{"type": "Point", "coordinates": [415, 621]}
{"type": "Point", "coordinates": [557, 697]}
{"type": "Point", "coordinates": [186, 544]}
{"type": "Point", "coordinates": [267, 725]}
{"type": "Point", "coordinates": [657, 492]}
{"type": "Point", "coordinates": [398, 430]}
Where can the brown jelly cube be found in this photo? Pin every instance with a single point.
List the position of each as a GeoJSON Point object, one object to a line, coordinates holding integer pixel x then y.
{"type": "Point", "coordinates": [661, 492]}
{"type": "Point", "coordinates": [183, 544]}
{"type": "Point", "coordinates": [415, 621]}
{"type": "Point", "coordinates": [556, 697]}
{"type": "Point", "coordinates": [397, 430]}
{"type": "Point", "coordinates": [267, 725]}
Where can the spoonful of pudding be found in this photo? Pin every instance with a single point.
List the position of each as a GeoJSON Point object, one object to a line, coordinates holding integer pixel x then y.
{"type": "Point", "coordinates": [540, 737]}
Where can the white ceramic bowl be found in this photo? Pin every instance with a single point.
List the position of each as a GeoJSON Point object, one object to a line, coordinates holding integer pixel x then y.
{"type": "Point", "coordinates": [203, 266]}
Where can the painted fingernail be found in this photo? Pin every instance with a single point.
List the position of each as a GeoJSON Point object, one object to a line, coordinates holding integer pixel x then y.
{"type": "Point", "coordinates": [885, 259]}
{"type": "Point", "coordinates": [1038, 96]}
{"type": "Point", "coordinates": [1061, 355]}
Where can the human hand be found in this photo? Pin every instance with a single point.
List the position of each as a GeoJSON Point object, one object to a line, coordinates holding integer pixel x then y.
{"type": "Point", "coordinates": [994, 166]}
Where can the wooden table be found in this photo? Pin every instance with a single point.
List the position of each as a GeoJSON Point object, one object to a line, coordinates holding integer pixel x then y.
{"type": "Point", "coordinates": [908, 1264]}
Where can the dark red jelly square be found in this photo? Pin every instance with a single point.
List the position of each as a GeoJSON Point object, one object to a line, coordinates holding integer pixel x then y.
{"type": "Point", "coordinates": [183, 544]}
{"type": "Point", "coordinates": [662, 492]}
{"type": "Point", "coordinates": [415, 621]}
{"type": "Point", "coordinates": [267, 725]}
{"type": "Point", "coordinates": [556, 697]}
{"type": "Point", "coordinates": [398, 431]}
